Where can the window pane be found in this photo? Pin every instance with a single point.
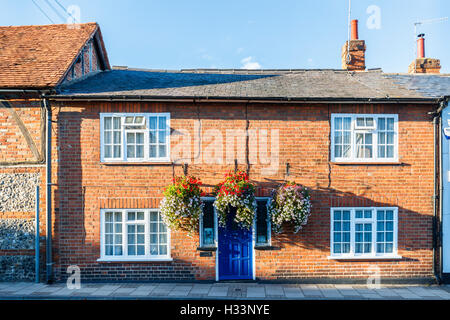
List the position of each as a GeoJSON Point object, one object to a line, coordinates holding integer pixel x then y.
{"type": "Point", "coordinates": [390, 124]}
{"type": "Point", "coordinates": [347, 123]}
{"type": "Point", "coordinates": [338, 137]}
{"type": "Point", "coordinates": [152, 136]}
{"type": "Point", "coordinates": [117, 123]}
{"type": "Point", "coordinates": [337, 215]}
{"type": "Point", "coordinates": [130, 137]}
{"type": "Point", "coordinates": [347, 137]}
{"type": "Point", "coordinates": [130, 152]}
{"type": "Point", "coordinates": [108, 135]}
{"type": "Point", "coordinates": [162, 122]}
{"type": "Point", "coordinates": [261, 222]}
{"type": "Point", "coordinates": [139, 151]}
{"type": "Point", "coordinates": [108, 122]}
{"type": "Point", "coordinates": [152, 151]}
{"type": "Point", "coordinates": [360, 122]}
{"type": "Point", "coordinates": [338, 123]}
{"type": "Point", "coordinates": [153, 122]}
{"type": "Point", "coordinates": [117, 137]}
{"type": "Point", "coordinates": [116, 151]}
{"type": "Point", "coordinates": [208, 222]}
{"type": "Point", "coordinates": [381, 123]}
{"type": "Point", "coordinates": [382, 152]}
{"type": "Point", "coordinates": [108, 153]}
{"type": "Point", "coordinates": [338, 151]}
{"type": "Point", "coordinates": [162, 151]}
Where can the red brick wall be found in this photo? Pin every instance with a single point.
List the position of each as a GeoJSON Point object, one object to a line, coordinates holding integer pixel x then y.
{"type": "Point", "coordinates": [84, 186]}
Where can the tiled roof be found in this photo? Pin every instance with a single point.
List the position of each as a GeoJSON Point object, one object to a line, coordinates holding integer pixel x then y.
{"type": "Point", "coordinates": [39, 56]}
{"type": "Point", "coordinates": [241, 84]}
{"type": "Point", "coordinates": [429, 85]}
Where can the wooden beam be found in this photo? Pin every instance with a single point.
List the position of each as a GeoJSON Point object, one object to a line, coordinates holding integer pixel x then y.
{"type": "Point", "coordinates": [26, 134]}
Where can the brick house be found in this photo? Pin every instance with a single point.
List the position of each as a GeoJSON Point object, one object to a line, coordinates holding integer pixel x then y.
{"type": "Point", "coordinates": [361, 141]}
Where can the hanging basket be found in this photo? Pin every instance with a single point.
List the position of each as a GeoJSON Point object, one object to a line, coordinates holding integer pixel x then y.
{"type": "Point", "coordinates": [290, 204]}
{"type": "Point", "coordinates": [237, 192]}
{"type": "Point", "coordinates": [181, 206]}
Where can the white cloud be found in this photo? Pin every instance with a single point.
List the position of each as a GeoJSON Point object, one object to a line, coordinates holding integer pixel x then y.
{"type": "Point", "coordinates": [248, 63]}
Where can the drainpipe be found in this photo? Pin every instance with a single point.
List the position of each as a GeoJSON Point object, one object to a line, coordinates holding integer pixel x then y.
{"type": "Point", "coordinates": [444, 104]}
{"type": "Point", "coordinates": [436, 198]}
{"type": "Point", "coordinates": [48, 165]}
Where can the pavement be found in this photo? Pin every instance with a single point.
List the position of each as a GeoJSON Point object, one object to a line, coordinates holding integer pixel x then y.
{"type": "Point", "coordinates": [221, 291]}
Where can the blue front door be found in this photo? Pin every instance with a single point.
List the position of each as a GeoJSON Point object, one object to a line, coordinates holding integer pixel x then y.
{"type": "Point", "coordinates": [235, 251]}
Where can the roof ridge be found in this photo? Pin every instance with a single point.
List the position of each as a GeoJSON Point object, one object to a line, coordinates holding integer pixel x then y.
{"type": "Point", "coordinates": [48, 25]}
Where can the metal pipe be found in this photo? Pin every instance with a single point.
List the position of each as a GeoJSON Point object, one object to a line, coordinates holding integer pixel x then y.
{"type": "Point", "coordinates": [441, 181]}
{"type": "Point", "coordinates": [435, 200]}
{"type": "Point", "coordinates": [37, 237]}
{"type": "Point", "coordinates": [48, 250]}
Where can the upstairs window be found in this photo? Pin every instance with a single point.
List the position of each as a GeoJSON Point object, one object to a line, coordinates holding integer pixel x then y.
{"type": "Point", "coordinates": [135, 137]}
{"type": "Point", "coordinates": [364, 137]}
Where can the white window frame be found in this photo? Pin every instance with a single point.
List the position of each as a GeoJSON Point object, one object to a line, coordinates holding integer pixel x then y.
{"type": "Point", "coordinates": [146, 130]}
{"type": "Point", "coordinates": [373, 220]}
{"type": "Point", "coordinates": [125, 256]}
{"type": "Point", "coordinates": [354, 130]}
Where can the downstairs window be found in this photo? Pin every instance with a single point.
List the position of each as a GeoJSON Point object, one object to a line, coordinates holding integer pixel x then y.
{"type": "Point", "coordinates": [365, 232]}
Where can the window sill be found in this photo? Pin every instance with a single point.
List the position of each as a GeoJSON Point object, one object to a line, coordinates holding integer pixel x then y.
{"type": "Point", "coordinates": [373, 163]}
{"type": "Point", "coordinates": [266, 247]}
{"type": "Point", "coordinates": [206, 248]}
{"type": "Point", "coordinates": [390, 257]}
{"type": "Point", "coordinates": [137, 163]}
{"type": "Point", "coordinates": [106, 260]}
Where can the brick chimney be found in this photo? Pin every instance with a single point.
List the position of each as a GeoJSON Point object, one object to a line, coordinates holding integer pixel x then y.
{"type": "Point", "coordinates": [422, 64]}
{"type": "Point", "coordinates": [356, 60]}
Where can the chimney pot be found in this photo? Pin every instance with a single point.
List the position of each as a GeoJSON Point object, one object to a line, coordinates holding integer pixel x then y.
{"type": "Point", "coordinates": [422, 64]}
{"type": "Point", "coordinates": [421, 46]}
{"type": "Point", "coordinates": [354, 28]}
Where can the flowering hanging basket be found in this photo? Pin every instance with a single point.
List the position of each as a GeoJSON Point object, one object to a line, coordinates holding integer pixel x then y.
{"type": "Point", "coordinates": [236, 192]}
{"type": "Point", "coordinates": [290, 204]}
{"type": "Point", "coordinates": [181, 206]}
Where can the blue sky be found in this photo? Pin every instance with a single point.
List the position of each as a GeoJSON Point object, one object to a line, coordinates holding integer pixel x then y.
{"type": "Point", "coordinates": [177, 34]}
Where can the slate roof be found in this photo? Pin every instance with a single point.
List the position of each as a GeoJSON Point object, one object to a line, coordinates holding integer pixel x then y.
{"type": "Point", "coordinates": [428, 85]}
{"type": "Point", "coordinates": [39, 56]}
{"type": "Point", "coordinates": [240, 84]}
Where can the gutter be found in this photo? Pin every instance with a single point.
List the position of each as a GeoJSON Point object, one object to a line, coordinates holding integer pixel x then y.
{"type": "Point", "coordinates": [228, 99]}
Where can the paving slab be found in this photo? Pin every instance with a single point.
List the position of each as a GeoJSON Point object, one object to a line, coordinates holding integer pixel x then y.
{"type": "Point", "coordinates": [218, 291]}
{"type": "Point", "coordinates": [406, 294]}
{"type": "Point", "coordinates": [311, 290]}
{"type": "Point", "coordinates": [332, 293]}
{"type": "Point", "coordinates": [256, 292]}
{"type": "Point", "coordinates": [293, 292]}
{"type": "Point", "coordinates": [274, 290]}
